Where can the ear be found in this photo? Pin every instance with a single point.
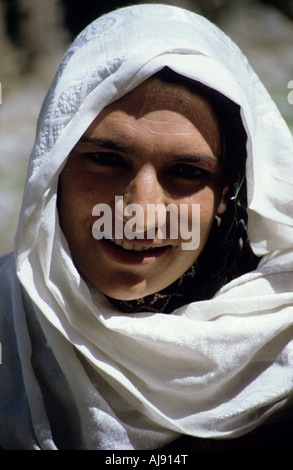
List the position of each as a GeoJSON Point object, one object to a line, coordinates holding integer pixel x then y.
{"type": "Point", "coordinates": [223, 204]}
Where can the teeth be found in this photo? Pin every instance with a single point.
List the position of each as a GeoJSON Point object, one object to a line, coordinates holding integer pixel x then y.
{"type": "Point", "coordinates": [139, 248]}
{"type": "Point", "coordinates": [130, 247]}
{"type": "Point", "coordinates": [127, 246]}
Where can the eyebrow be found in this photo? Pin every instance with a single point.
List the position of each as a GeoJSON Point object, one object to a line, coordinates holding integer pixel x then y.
{"type": "Point", "coordinates": [109, 144]}
{"type": "Point", "coordinates": [104, 143]}
{"type": "Point", "coordinates": [209, 160]}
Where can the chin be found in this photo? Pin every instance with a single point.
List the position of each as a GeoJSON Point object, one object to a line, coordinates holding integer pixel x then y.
{"type": "Point", "coordinates": [127, 293]}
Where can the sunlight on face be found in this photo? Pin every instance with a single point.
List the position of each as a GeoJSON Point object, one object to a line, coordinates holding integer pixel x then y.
{"type": "Point", "coordinates": [159, 144]}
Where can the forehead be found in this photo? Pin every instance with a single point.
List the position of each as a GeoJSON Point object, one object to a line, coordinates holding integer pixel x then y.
{"type": "Point", "coordinates": [161, 106]}
{"type": "Point", "coordinates": [154, 95]}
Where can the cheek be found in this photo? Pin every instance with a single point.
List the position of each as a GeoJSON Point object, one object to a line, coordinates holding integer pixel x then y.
{"type": "Point", "coordinates": [73, 206]}
{"type": "Point", "coordinates": [206, 201]}
{"type": "Point", "coordinates": [79, 192]}
{"type": "Point", "coordinates": [204, 215]}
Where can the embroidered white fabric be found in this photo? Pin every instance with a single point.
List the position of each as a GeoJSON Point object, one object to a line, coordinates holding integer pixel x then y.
{"type": "Point", "coordinates": [216, 368]}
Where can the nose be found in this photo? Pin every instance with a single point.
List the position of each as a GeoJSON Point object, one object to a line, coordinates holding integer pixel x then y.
{"type": "Point", "coordinates": [144, 188]}
{"type": "Point", "coordinates": [144, 198]}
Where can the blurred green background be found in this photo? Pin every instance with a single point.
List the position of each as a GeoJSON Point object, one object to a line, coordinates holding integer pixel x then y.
{"type": "Point", "coordinates": [34, 35]}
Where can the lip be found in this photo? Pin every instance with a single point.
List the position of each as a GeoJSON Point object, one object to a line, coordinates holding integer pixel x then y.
{"type": "Point", "coordinates": [127, 257]}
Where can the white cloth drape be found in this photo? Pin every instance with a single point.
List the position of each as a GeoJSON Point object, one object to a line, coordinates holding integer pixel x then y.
{"type": "Point", "coordinates": [216, 368]}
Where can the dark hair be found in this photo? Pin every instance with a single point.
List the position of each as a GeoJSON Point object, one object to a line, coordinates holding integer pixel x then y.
{"type": "Point", "coordinates": [227, 247]}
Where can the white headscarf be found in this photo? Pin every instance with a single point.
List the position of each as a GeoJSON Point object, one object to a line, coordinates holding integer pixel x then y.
{"type": "Point", "coordinates": [215, 368]}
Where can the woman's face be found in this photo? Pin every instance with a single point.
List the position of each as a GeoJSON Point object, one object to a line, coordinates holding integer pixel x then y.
{"type": "Point", "coordinates": [159, 144]}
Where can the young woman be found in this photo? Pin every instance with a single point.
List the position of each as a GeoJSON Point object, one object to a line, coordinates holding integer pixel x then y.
{"type": "Point", "coordinates": [111, 341]}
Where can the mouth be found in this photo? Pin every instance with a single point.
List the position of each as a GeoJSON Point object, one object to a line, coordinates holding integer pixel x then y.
{"type": "Point", "coordinates": [132, 247]}
{"type": "Point", "coordinates": [132, 254]}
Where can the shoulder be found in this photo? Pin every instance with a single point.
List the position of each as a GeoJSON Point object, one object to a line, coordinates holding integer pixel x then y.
{"type": "Point", "coordinates": [7, 266]}
{"type": "Point", "coordinates": [5, 258]}
{"type": "Point", "coordinates": [12, 391]}
{"type": "Point", "coordinates": [7, 277]}
{"type": "Point", "coordinates": [7, 283]}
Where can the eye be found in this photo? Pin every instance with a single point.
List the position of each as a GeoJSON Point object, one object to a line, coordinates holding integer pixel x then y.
{"type": "Point", "coordinates": [106, 159]}
{"type": "Point", "coordinates": [188, 172]}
